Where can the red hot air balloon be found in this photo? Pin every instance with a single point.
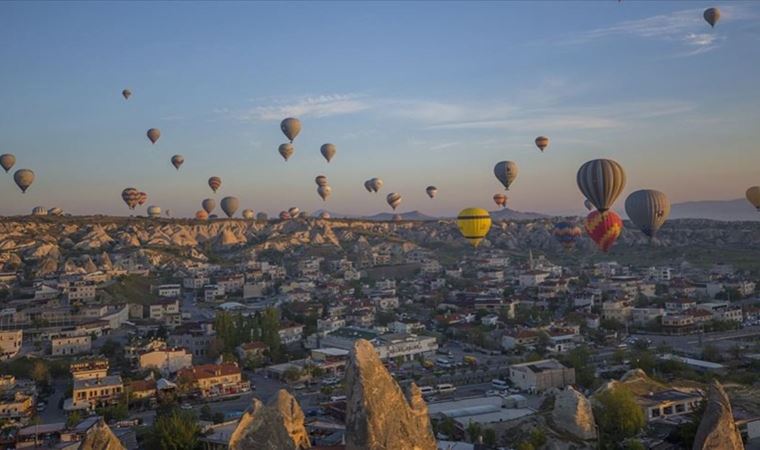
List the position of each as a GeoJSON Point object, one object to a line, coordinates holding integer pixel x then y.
{"type": "Point", "coordinates": [214, 183]}
{"type": "Point", "coordinates": [604, 228]}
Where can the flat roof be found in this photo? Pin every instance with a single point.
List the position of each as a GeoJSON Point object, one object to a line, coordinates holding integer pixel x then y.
{"type": "Point", "coordinates": [503, 415]}
{"type": "Point", "coordinates": [444, 407]}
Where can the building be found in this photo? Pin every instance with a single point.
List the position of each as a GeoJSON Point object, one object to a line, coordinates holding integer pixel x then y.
{"type": "Point", "coordinates": [533, 278]}
{"type": "Point", "coordinates": [252, 350]}
{"type": "Point", "coordinates": [10, 343]}
{"type": "Point", "coordinates": [541, 375]}
{"type": "Point", "coordinates": [645, 316]}
{"type": "Point", "coordinates": [15, 405]}
{"type": "Point", "coordinates": [196, 338]}
{"type": "Point", "coordinates": [231, 283]}
{"type": "Point", "coordinates": [70, 345]}
{"type": "Point", "coordinates": [169, 290]}
{"type": "Point", "coordinates": [668, 403]}
{"type": "Point", "coordinates": [165, 310]}
{"type": "Point", "coordinates": [214, 380]}
{"type": "Point", "coordinates": [195, 281]}
{"type": "Point", "coordinates": [166, 360]}
{"type": "Point", "coordinates": [212, 292]}
{"type": "Point", "coordinates": [81, 291]}
{"type": "Point", "coordinates": [389, 346]}
{"type": "Point", "coordinates": [524, 338]}
{"type": "Point", "coordinates": [96, 392]}
{"type": "Point", "coordinates": [290, 333]}
{"type": "Point", "coordinates": [89, 370]}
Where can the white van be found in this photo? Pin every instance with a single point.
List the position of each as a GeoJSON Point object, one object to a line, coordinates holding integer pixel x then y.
{"type": "Point", "coordinates": [444, 363]}
{"type": "Point", "coordinates": [446, 388]}
{"type": "Point", "coordinates": [499, 384]}
{"type": "Point", "coordinates": [427, 390]}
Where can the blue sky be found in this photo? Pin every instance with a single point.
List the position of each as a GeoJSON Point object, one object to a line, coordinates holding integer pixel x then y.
{"type": "Point", "coordinates": [414, 93]}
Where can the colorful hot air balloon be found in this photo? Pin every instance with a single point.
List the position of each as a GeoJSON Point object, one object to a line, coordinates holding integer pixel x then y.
{"type": "Point", "coordinates": [177, 161]}
{"type": "Point", "coordinates": [154, 211]}
{"type": "Point", "coordinates": [262, 217]}
{"type": "Point", "coordinates": [286, 150]}
{"type": "Point", "coordinates": [506, 172]}
{"type": "Point", "coordinates": [328, 151]}
{"type": "Point", "coordinates": [7, 161]}
{"type": "Point", "coordinates": [290, 127]}
{"type": "Point", "coordinates": [648, 209]}
{"type": "Point", "coordinates": [214, 183]}
{"type": "Point", "coordinates": [201, 215]}
{"type": "Point", "coordinates": [712, 16]}
{"type": "Point", "coordinates": [367, 186]}
{"type": "Point", "coordinates": [153, 135]}
{"type": "Point", "coordinates": [587, 203]}
{"type": "Point", "coordinates": [474, 224]}
{"type": "Point", "coordinates": [39, 211]}
{"type": "Point", "coordinates": [393, 200]}
{"type": "Point", "coordinates": [248, 214]}
{"type": "Point", "coordinates": [601, 181]}
{"type": "Point", "coordinates": [23, 178]}
{"type": "Point", "coordinates": [142, 198]}
{"type": "Point", "coordinates": [542, 142]}
{"type": "Point", "coordinates": [321, 180]}
{"type": "Point", "coordinates": [604, 227]}
{"type": "Point", "coordinates": [294, 212]}
{"type": "Point", "coordinates": [130, 196]}
{"type": "Point", "coordinates": [753, 196]}
{"type": "Point", "coordinates": [230, 205]}
{"type": "Point", "coordinates": [284, 215]}
{"type": "Point", "coordinates": [324, 215]}
{"type": "Point", "coordinates": [500, 199]}
{"type": "Point", "coordinates": [55, 211]}
{"type": "Point", "coordinates": [324, 192]}
{"type": "Point", "coordinates": [373, 184]}
{"type": "Point", "coordinates": [126, 93]}
{"type": "Point", "coordinates": [431, 191]}
{"type": "Point", "coordinates": [208, 205]}
{"type": "Point", "coordinates": [566, 234]}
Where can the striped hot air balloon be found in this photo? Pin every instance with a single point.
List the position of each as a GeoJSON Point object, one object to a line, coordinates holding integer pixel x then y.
{"type": "Point", "coordinates": [542, 142]}
{"type": "Point", "coordinates": [214, 183]}
{"type": "Point", "coordinates": [393, 199]}
{"type": "Point", "coordinates": [474, 224]}
{"type": "Point", "coordinates": [130, 196]}
{"type": "Point", "coordinates": [601, 181]}
{"type": "Point", "coordinates": [566, 234]}
{"type": "Point", "coordinates": [284, 215]}
{"type": "Point", "coordinates": [604, 228]}
{"type": "Point", "coordinates": [142, 198]}
{"type": "Point", "coordinates": [500, 199]}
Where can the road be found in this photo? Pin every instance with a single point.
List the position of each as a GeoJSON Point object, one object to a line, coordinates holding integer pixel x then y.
{"type": "Point", "coordinates": [692, 344]}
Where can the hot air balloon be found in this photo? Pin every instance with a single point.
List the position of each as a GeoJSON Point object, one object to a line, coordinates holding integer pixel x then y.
{"type": "Point", "coordinates": [500, 199]}
{"type": "Point", "coordinates": [712, 16]}
{"type": "Point", "coordinates": [7, 161]}
{"type": "Point", "coordinates": [262, 217]}
{"type": "Point", "coordinates": [126, 93]}
{"type": "Point", "coordinates": [142, 197]}
{"type": "Point", "coordinates": [153, 135]}
{"type": "Point", "coordinates": [214, 183]}
{"type": "Point", "coordinates": [324, 215]}
{"type": "Point", "coordinates": [648, 209]}
{"type": "Point", "coordinates": [201, 215]}
{"type": "Point", "coordinates": [39, 211]}
{"type": "Point", "coordinates": [567, 233]}
{"type": "Point", "coordinates": [208, 205]}
{"type": "Point", "coordinates": [284, 215]}
{"type": "Point", "coordinates": [374, 184]}
{"type": "Point", "coordinates": [168, 213]}
{"type": "Point", "coordinates": [154, 211]}
{"type": "Point", "coordinates": [286, 150]}
{"type": "Point", "coordinates": [248, 214]}
{"type": "Point", "coordinates": [55, 211]}
{"type": "Point", "coordinates": [367, 186]}
{"type": "Point", "coordinates": [506, 172]}
{"type": "Point", "coordinates": [23, 178]}
{"type": "Point", "coordinates": [321, 180]}
{"type": "Point", "coordinates": [393, 200]}
{"type": "Point", "coordinates": [130, 196]}
{"type": "Point", "coordinates": [291, 127]}
{"type": "Point", "coordinates": [294, 212]}
{"type": "Point", "coordinates": [753, 196]}
{"type": "Point", "coordinates": [230, 205]}
{"type": "Point", "coordinates": [604, 227]}
{"type": "Point", "coordinates": [588, 204]}
{"type": "Point", "coordinates": [431, 191]}
{"type": "Point", "coordinates": [324, 191]}
{"type": "Point", "coordinates": [177, 161]}
{"type": "Point", "coordinates": [328, 151]}
{"type": "Point", "coordinates": [542, 142]}
{"type": "Point", "coordinates": [474, 224]}
{"type": "Point", "coordinates": [601, 181]}
{"type": "Point", "coordinates": [213, 216]}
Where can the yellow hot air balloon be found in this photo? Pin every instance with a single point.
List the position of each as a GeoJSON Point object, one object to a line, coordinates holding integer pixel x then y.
{"type": "Point", "coordinates": [474, 224]}
{"type": "Point", "coordinates": [753, 196]}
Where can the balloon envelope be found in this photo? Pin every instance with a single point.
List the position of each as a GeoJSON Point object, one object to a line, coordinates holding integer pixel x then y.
{"type": "Point", "coordinates": [284, 215]}
{"type": "Point", "coordinates": [248, 214]}
{"type": "Point", "coordinates": [23, 178]}
{"type": "Point", "coordinates": [7, 161]}
{"type": "Point", "coordinates": [286, 150]}
{"type": "Point", "coordinates": [603, 227]}
{"type": "Point", "coordinates": [230, 205]}
{"type": "Point", "coordinates": [542, 142]}
{"type": "Point", "coordinates": [431, 191]}
{"type": "Point", "coordinates": [130, 197]}
{"type": "Point", "coordinates": [566, 234]}
{"type": "Point", "coordinates": [474, 224]}
{"type": "Point", "coordinates": [328, 151]}
{"type": "Point", "coordinates": [648, 209]}
{"type": "Point", "coordinates": [500, 199]}
{"type": "Point", "coordinates": [208, 205]}
{"type": "Point", "coordinates": [177, 161]}
{"type": "Point", "coordinates": [324, 191]}
{"type": "Point", "coordinates": [393, 200]}
{"type": "Point", "coordinates": [126, 93]}
{"type": "Point", "coordinates": [601, 181]}
{"type": "Point", "coordinates": [214, 183]}
{"type": "Point", "coordinates": [153, 135]}
{"type": "Point", "coordinates": [290, 127]}
{"type": "Point", "coordinates": [39, 211]}
{"type": "Point", "coordinates": [321, 180]}
{"type": "Point", "coordinates": [712, 15]}
{"type": "Point", "coordinates": [55, 211]}
{"type": "Point", "coordinates": [294, 212]}
{"type": "Point", "coordinates": [154, 211]}
{"type": "Point", "coordinates": [753, 196]}
{"type": "Point", "coordinates": [201, 215]}
{"type": "Point", "coordinates": [506, 172]}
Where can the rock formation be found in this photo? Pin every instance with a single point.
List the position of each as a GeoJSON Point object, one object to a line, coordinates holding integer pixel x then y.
{"type": "Point", "coordinates": [572, 414]}
{"type": "Point", "coordinates": [276, 426]}
{"type": "Point", "coordinates": [717, 430]}
{"type": "Point", "coordinates": [378, 416]}
{"type": "Point", "coordinates": [100, 437]}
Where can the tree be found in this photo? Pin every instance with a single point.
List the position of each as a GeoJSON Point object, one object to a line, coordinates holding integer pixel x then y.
{"type": "Point", "coordinates": [489, 437]}
{"type": "Point", "coordinates": [74, 418]}
{"type": "Point", "coordinates": [175, 431]}
{"type": "Point", "coordinates": [618, 415]}
{"type": "Point", "coordinates": [525, 445]}
{"type": "Point", "coordinates": [580, 359]}
{"type": "Point", "coordinates": [474, 431]}
{"type": "Point", "coordinates": [292, 374]}
{"type": "Point", "coordinates": [40, 372]}
{"type": "Point", "coordinates": [537, 438]}
{"type": "Point", "coordinates": [711, 353]}
{"type": "Point", "coordinates": [447, 427]}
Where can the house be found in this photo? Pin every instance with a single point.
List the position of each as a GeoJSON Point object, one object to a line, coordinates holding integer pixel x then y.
{"type": "Point", "coordinates": [15, 405]}
{"type": "Point", "coordinates": [523, 338]}
{"type": "Point", "coordinates": [165, 310]}
{"type": "Point", "coordinates": [645, 316]}
{"type": "Point", "coordinates": [680, 305]}
{"type": "Point", "coordinates": [231, 283]}
{"type": "Point", "coordinates": [80, 291]}
{"type": "Point", "coordinates": [195, 281]}
{"type": "Point", "coordinates": [89, 369]}
{"type": "Point", "coordinates": [194, 337]}
{"type": "Point", "coordinates": [405, 326]}
{"type": "Point", "coordinates": [212, 292]}
{"type": "Point", "coordinates": [290, 332]}
{"type": "Point", "coordinates": [70, 345]}
{"type": "Point", "coordinates": [142, 389]}
{"type": "Point", "coordinates": [251, 350]}
{"type": "Point", "coordinates": [166, 360]}
{"type": "Point", "coordinates": [532, 278]}
{"type": "Point", "coordinates": [668, 403]}
{"type": "Point", "coordinates": [214, 380]}
{"type": "Point", "coordinates": [538, 376]}
{"type": "Point", "coordinates": [169, 290]}
{"type": "Point", "coordinates": [95, 392]}
{"type": "Point", "coordinates": [10, 343]}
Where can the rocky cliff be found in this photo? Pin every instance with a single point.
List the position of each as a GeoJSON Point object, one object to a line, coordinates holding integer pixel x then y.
{"type": "Point", "coordinates": [572, 414]}
{"type": "Point", "coordinates": [378, 416]}
{"type": "Point", "coordinates": [100, 437]}
{"type": "Point", "coordinates": [717, 430]}
{"type": "Point", "coordinates": [279, 425]}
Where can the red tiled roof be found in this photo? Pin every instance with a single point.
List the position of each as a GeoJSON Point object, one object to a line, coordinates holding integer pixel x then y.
{"type": "Point", "coordinates": [208, 371]}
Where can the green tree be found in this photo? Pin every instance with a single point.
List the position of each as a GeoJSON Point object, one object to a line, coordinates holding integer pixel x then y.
{"type": "Point", "coordinates": [524, 445]}
{"type": "Point", "coordinates": [580, 359]}
{"type": "Point", "coordinates": [292, 374]}
{"type": "Point", "coordinates": [40, 373]}
{"type": "Point", "coordinates": [618, 415]}
{"type": "Point", "coordinates": [448, 427]}
{"type": "Point", "coordinates": [711, 353]}
{"type": "Point", "coordinates": [175, 431]}
{"type": "Point", "coordinates": [474, 431]}
{"type": "Point", "coordinates": [489, 437]}
{"type": "Point", "coordinates": [537, 438]}
{"type": "Point", "coordinates": [74, 418]}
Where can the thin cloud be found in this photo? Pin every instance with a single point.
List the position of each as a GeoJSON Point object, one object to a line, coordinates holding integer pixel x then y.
{"type": "Point", "coordinates": [318, 106]}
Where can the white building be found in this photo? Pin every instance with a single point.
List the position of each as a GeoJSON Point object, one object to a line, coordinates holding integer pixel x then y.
{"type": "Point", "coordinates": [169, 290]}
{"type": "Point", "coordinates": [10, 343]}
{"type": "Point", "coordinates": [167, 360]}
{"type": "Point", "coordinates": [70, 345]}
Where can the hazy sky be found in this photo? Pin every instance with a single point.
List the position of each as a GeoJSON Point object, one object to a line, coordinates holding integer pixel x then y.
{"type": "Point", "coordinates": [414, 93]}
